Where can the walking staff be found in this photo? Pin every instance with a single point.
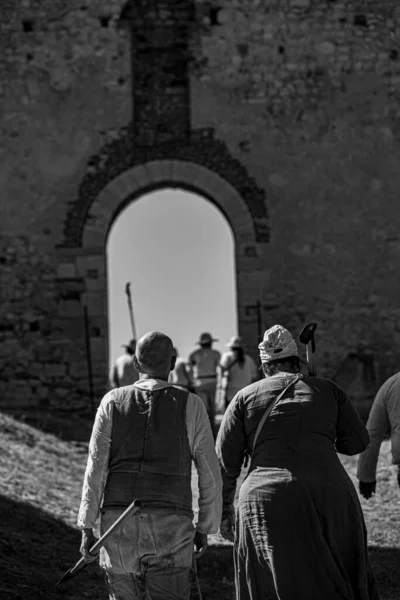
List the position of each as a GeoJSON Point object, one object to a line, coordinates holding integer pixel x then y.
{"type": "Point", "coordinates": [130, 308]}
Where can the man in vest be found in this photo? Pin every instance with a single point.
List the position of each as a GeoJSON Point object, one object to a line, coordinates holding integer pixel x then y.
{"type": "Point", "coordinates": [124, 372]}
{"type": "Point", "coordinates": [203, 363]}
{"type": "Point", "coordinates": [144, 438]}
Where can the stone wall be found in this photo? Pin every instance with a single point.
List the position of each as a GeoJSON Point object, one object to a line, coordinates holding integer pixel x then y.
{"type": "Point", "coordinates": [306, 95]}
{"type": "Point", "coordinates": [299, 97]}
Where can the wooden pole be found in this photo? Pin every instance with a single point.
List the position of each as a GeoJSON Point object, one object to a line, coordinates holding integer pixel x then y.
{"type": "Point", "coordinates": [130, 308]}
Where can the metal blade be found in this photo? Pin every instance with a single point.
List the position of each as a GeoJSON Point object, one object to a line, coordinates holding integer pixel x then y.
{"type": "Point", "coordinates": [65, 577]}
{"type": "Point", "coordinates": [307, 333]}
{"type": "Point", "coordinates": [81, 564]}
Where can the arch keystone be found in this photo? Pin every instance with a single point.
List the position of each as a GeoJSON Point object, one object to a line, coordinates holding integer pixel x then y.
{"type": "Point", "coordinates": [160, 169]}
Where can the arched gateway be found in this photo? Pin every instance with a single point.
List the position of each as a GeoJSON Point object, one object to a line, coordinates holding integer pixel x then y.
{"type": "Point", "coordinates": [85, 254]}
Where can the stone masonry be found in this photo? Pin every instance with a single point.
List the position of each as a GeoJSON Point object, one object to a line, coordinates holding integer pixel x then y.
{"type": "Point", "coordinates": [285, 114]}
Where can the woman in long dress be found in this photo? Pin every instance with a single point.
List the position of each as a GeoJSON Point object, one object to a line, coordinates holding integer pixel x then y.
{"type": "Point", "coordinates": [299, 531]}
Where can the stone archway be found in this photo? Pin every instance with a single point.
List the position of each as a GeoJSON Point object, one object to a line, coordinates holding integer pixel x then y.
{"type": "Point", "coordinates": [153, 175]}
{"type": "Point", "coordinates": [137, 181]}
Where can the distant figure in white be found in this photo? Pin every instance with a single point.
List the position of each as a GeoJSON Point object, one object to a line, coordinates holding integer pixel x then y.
{"type": "Point", "coordinates": [179, 376]}
{"type": "Point", "coordinates": [124, 372]}
{"type": "Point", "coordinates": [236, 370]}
{"type": "Point", "coordinates": [203, 364]}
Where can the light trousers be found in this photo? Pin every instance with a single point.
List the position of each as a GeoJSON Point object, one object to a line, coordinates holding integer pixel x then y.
{"type": "Point", "coordinates": [149, 557]}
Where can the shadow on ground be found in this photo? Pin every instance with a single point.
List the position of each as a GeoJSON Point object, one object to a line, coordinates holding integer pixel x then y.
{"type": "Point", "coordinates": [36, 550]}
{"type": "Point", "coordinates": [216, 573]}
{"type": "Point", "coordinates": [385, 563]}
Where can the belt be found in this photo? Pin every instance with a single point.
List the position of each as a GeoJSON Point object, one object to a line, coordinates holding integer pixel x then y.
{"type": "Point", "coordinates": [206, 377]}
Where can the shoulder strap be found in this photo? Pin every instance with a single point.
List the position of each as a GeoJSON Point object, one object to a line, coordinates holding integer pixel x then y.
{"type": "Point", "coordinates": [270, 407]}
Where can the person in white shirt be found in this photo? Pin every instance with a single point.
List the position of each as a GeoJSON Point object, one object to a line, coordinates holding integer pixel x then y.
{"type": "Point", "coordinates": [383, 420]}
{"type": "Point", "coordinates": [236, 370]}
{"type": "Point", "coordinates": [124, 372]}
{"type": "Point", "coordinates": [203, 364]}
{"type": "Point", "coordinates": [179, 376]}
{"type": "Point", "coordinates": [144, 439]}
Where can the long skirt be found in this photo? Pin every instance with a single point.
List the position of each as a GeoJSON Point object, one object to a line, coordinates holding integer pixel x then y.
{"type": "Point", "coordinates": [296, 541]}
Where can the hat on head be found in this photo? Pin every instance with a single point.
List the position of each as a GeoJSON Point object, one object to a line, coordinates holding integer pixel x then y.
{"type": "Point", "coordinates": [235, 342]}
{"type": "Point", "coordinates": [131, 344]}
{"type": "Point", "coordinates": [206, 338]}
{"type": "Point", "coordinates": [277, 343]}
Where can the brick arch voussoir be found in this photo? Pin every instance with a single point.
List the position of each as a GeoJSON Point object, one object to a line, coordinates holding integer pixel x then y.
{"type": "Point", "coordinates": [121, 155]}
{"type": "Point", "coordinates": [157, 174]}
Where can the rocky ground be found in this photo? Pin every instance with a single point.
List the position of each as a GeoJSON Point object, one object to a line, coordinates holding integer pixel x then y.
{"type": "Point", "coordinates": [40, 481]}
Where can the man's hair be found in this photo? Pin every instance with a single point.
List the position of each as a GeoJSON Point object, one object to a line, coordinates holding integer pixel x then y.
{"type": "Point", "coordinates": [275, 366]}
{"type": "Point", "coordinates": [154, 352]}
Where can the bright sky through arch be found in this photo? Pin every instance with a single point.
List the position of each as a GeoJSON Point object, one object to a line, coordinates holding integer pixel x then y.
{"type": "Point", "coordinates": [177, 250]}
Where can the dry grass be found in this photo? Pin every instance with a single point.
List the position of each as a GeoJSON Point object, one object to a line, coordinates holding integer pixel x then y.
{"type": "Point", "coordinates": [40, 483]}
{"type": "Point", "coordinates": [382, 517]}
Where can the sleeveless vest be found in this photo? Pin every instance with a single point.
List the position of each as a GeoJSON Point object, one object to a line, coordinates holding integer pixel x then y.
{"type": "Point", "coordinates": [150, 457]}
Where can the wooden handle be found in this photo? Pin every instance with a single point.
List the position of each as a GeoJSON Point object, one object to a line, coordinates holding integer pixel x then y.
{"type": "Point", "coordinates": [312, 370]}
{"type": "Point", "coordinates": [131, 510]}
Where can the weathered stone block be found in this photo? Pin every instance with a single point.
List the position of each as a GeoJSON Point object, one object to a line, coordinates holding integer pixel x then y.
{"type": "Point", "coordinates": [18, 395]}
{"type": "Point", "coordinates": [300, 3]}
{"type": "Point", "coordinates": [139, 178]}
{"type": "Point", "coordinates": [96, 303]}
{"type": "Point", "coordinates": [91, 266]}
{"type": "Point", "coordinates": [159, 170]}
{"type": "Point", "coordinates": [54, 371]}
{"type": "Point", "coordinates": [66, 271]}
{"type": "Point", "coordinates": [61, 392]}
{"type": "Point", "coordinates": [94, 237]}
{"type": "Point", "coordinates": [69, 309]}
{"type": "Point", "coordinates": [78, 369]}
{"type": "Point", "coordinates": [325, 47]}
{"type": "Point", "coordinates": [42, 392]}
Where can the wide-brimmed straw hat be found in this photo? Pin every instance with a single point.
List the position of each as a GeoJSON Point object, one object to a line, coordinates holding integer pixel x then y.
{"type": "Point", "coordinates": [206, 338]}
{"type": "Point", "coordinates": [235, 342]}
{"type": "Point", "coordinates": [277, 343]}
